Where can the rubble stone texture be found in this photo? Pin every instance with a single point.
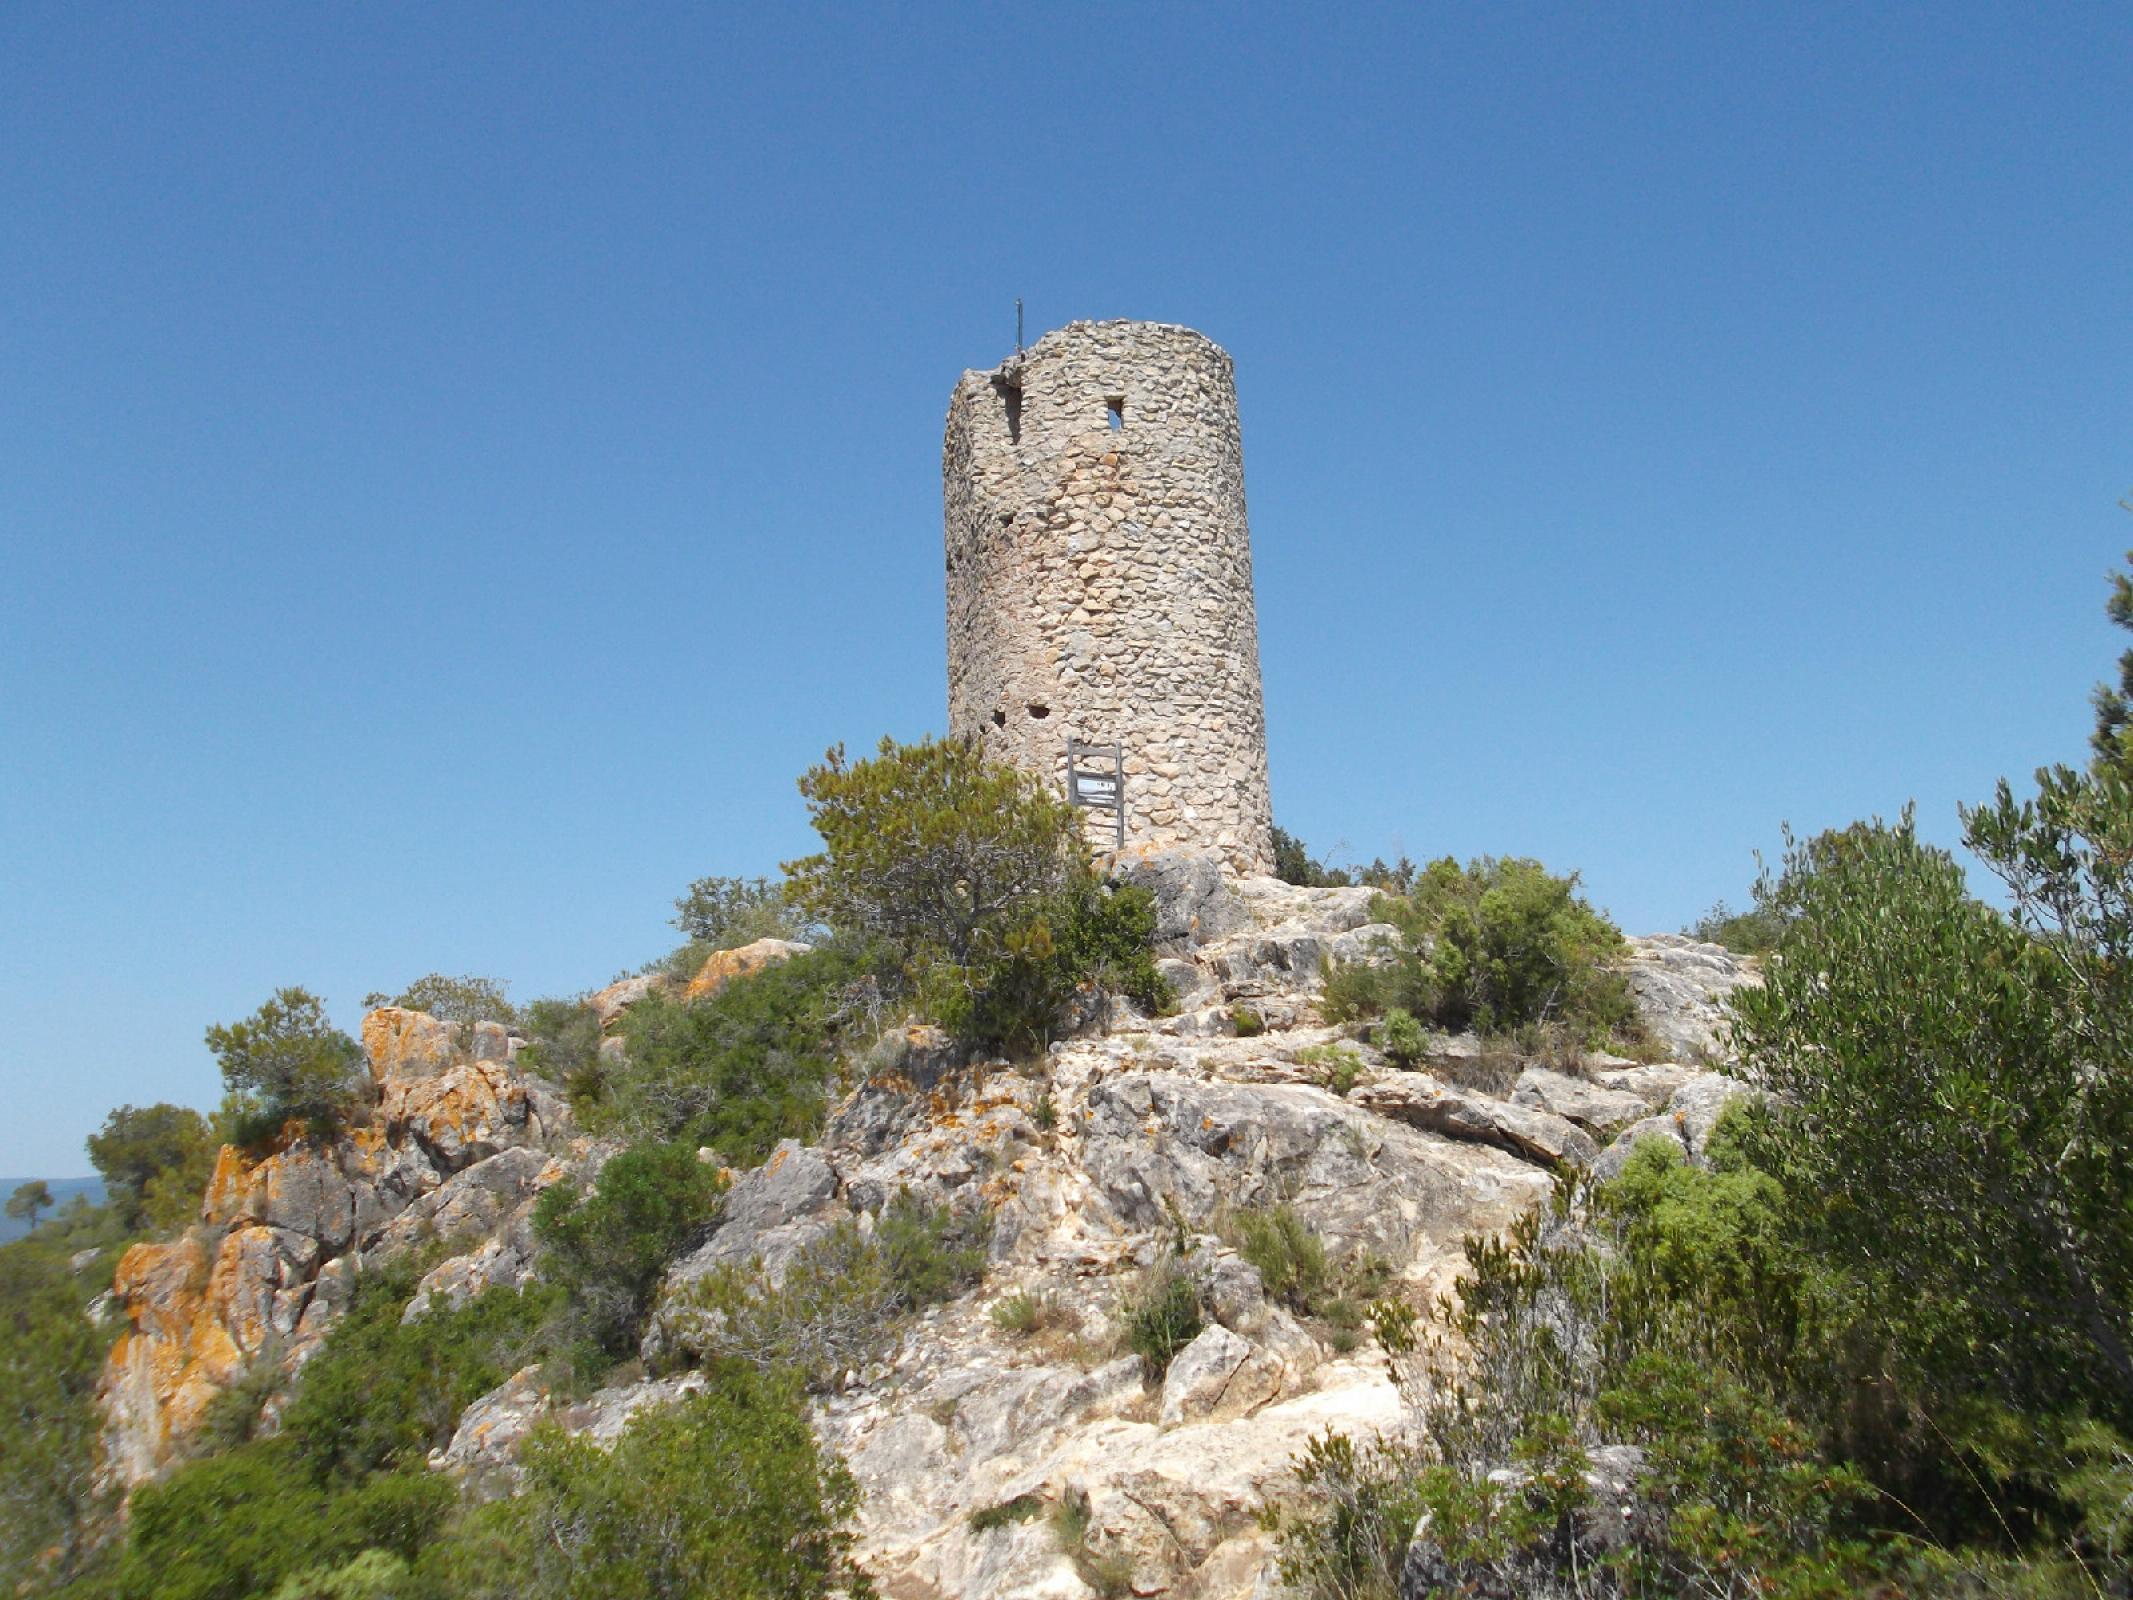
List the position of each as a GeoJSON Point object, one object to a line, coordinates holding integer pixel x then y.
{"type": "Point", "coordinates": [1100, 578]}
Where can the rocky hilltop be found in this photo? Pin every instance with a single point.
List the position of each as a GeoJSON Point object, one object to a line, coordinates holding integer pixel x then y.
{"type": "Point", "coordinates": [1132, 1142]}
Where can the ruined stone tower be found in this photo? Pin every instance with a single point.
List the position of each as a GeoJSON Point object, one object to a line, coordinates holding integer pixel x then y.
{"type": "Point", "coordinates": [1100, 577]}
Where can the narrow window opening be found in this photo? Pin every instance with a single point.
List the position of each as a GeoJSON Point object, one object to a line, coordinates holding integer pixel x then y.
{"type": "Point", "coordinates": [1116, 405]}
{"type": "Point", "coordinates": [999, 719]}
{"type": "Point", "coordinates": [1040, 712]}
{"type": "Point", "coordinates": [1011, 402]}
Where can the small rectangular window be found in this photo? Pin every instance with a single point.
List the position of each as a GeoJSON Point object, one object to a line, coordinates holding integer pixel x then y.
{"type": "Point", "coordinates": [1116, 405]}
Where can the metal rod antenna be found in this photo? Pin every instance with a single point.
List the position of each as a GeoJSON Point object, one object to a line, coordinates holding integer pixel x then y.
{"type": "Point", "coordinates": [1018, 324]}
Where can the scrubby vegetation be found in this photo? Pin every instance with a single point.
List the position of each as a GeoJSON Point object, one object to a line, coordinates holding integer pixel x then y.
{"type": "Point", "coordinates": [979, 880]}
{"type": "Point", "coordinates": [742, 1068]}
{"type": "Point", "coordinates": [286, 1062]}
{"type": "Point", "coordinates": [726, 1493]}
{"type": "Point", "coordinates": [836, 1306]}
{"type": "Point", "coordinates": [51, 1354]}
{"type": "Point", "coordinates": [607, 1251]}
{"type": "Point", "coordinates": [1879, 1345]}
{"type": "Point", "coordinates": [464, 1001]}
{"type": "Point", "coordinates": [1498, 946]}
{"type": "Point", "coordinates": [154, 1161]}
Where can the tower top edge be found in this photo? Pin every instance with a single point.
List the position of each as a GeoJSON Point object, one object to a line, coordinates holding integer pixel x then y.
{"type": "Point", "coordinates": [1080, 334]}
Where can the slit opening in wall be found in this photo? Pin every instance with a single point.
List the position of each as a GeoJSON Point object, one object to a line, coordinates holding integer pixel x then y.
{"type": "Point", "coordinates": [1010, 403]}
{"type": "Point", "coordinates": [1039, 713]}
{"type": "Point", "coordinates": [999, 719]}
{"type": "Point", "coordinates": [1115, 411]}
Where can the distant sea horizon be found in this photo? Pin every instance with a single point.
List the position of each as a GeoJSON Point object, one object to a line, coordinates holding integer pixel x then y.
{"type": "Point", "coordinates": [63, 1190]}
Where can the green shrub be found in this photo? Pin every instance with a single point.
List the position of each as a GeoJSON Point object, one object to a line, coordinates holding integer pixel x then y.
{"type": "Point", "coordinates": [1291, 1259]}
{"type": "Point", "coordinates": [839, 1301]}
{"type": "Point", "coordinates": [373, 1575]}
{"type": "Point", "coordinates": [932, 848]}
{"type": "Point", "coordinates": [1295, 864]}
{"type": "Point", "coordinates": [1087, 937]}
{"type": "Point", "coordinates": [1753, 932]}
{"type": "Point", "coordinates": [383, 1393]}
{"type": "Point", "coordinates": [563, 1046]}
{"type": "Point", "coordinates": [1404, 1040]}
{"type": "Point", "coordinates": [287, 1061]}
{"type": "Point", "coordinates": [463, 1001]}
{"type": "Point", "coordinates": [980, 881]}
{"type": "Point", "coordinates": [240, 1524]}
{"type": "Point", "coordinates": [1247, 1023]}
{"type": "Point", "coordinates": [1494, 946]}
{"type": "Point", "coordinates": [51, 1356]}
{"type": "Point", "coordinates": [726, 1493]}
{"type": "Point", "coordinates": [742, 1068]}
{"type": "Point", "coordinates": [724, 913]}
{"type": "Point", "coordinates": [1023, 1314]}
{"type": "Point", "coordinates": [147, 1155]}
{"type": "Point", "coordinates": [1340, 1068]}
{"type": "Point", "coordinates": [1006, 1513]}
{"type": "Point", "coordinates": [1163, 1313]}
{"type": "Point", "coordinates": [609, 1250]}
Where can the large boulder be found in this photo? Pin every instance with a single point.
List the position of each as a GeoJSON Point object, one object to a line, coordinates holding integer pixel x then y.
{"type": "Point", "coordinates": [723, 966]}
{"type": "Point", "coordinates": [1422, 1102]}
{"type": "Point", "coordinates": [1196, 900]}
{"type": "Point", "coordinates": [1154, 1143]}
{"type": "Point", "coordinates": [1681, 987]}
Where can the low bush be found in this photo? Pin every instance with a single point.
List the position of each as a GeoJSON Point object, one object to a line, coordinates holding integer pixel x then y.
{"type": "Point", "coordinates": [1298, 1271]}
{"type": "Point", "coordinates": [1753, 932]}
{"type": "Point", "coordinates": [287, 1061]}
{"type": "Point", "coordinates": [742, 1068]}
{"type": "Point", "coordinates": [1494, 945]}
{"type": "Point", "coordinates": [51, 1357]}
{"type": "Point", "coordinates": [1404, 1040]}
{"type": "Point", "coordinates": [463, 1001]}
{"type": "Point", "coordinates": [838, 1303]}
{"type": "Point", "coordinates": [154, 1160]}
{"type": "Point", "coordinates": [607, 1251]}
{"type": "Point", "coordinates": [725, 1493]}
{"type": "Point", "coordinates": [1006, 1513]}
{"type": "Point", "coordinates": [979, 879]}
{"type": "Point", "coordinates": [1023, 1314]}
{"type": "Point", "coordinates": [1163, 1312]}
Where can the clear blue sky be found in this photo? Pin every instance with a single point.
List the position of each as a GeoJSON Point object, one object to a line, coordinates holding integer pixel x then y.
{"type": "Point", "coordinates": [459, 463]}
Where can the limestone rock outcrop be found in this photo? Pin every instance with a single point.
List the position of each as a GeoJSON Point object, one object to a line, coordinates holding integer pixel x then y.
{"type": "Point", "coordinates": [1119, 1157]}
{"type": "Point", "coordinates": [455, 1149]}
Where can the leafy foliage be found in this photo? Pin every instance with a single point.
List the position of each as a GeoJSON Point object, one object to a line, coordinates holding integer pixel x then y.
{"type": "Point", "coordinates": [154, 1161]}
{"type": "Point", "coordinates": [932, 848]}
{"type": "Point", "coordinates": [1960, 1093]}
{"type": "Point", "coordinates": [1753, 932]}
{"type": "Point", "coordinates": [725, 1493]}
{"type": "Point", "coordinates": [51, 1355]}
{"type": "Point", "coordinates": [287, 1061]}
{"type": "Point", "coordinates": [742, 1068]}
{"type": "Point", "coordinates": [1163, 1313]}
{"type": "Point", "coordinates": [723, 913]}
{"type": "Point", "coordinates": [1293, 863]}
{"type": "Point", "coordinates": [1495, 945]}
{"type": "Point", "coordinates": [607, 1251]}
{"type": "Point", "coordinates": [383, 1393]}
{"type": "Point", "coordinates": [837, 1303]}
{"type": "Point", "coordinates": [29, 1199]}
{"type": "Point", "coordinates": [980, 882]}
{"type": "Point", "coordinates": [465, 1000]}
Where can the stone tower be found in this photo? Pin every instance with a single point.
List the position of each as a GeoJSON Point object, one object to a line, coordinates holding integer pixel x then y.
{"type": "Point", "coordinates": [1100, 577]}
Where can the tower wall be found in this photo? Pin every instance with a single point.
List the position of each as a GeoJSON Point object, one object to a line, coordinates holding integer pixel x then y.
{"type": "Point", "coordinates": [1100, 577]}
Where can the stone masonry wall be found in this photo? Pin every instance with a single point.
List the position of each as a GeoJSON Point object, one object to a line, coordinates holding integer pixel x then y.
{"type": "Point", "coordinates": [1100, 577]}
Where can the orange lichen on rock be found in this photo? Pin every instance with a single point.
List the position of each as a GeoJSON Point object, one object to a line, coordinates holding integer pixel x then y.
{"type": "Point", "coordinates": [726, 965]}
{"type": "Point", "coordinates": [406, 1044]}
